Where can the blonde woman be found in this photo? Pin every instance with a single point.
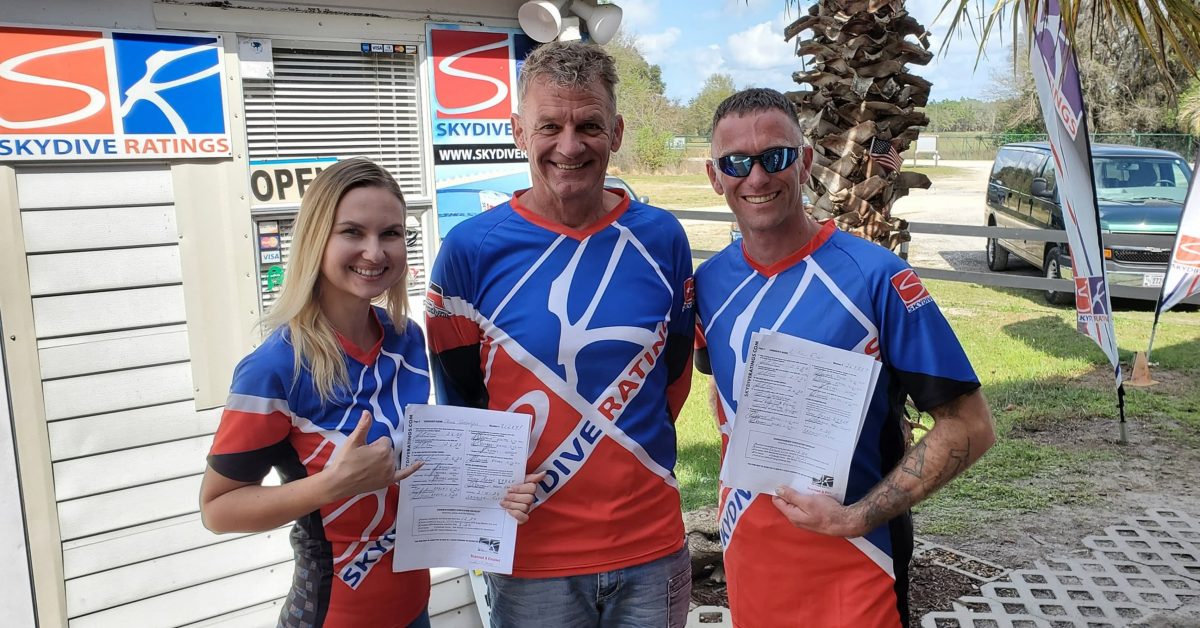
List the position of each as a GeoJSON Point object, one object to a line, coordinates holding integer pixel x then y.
{"type": "Point", "coordinates": [321, 402]}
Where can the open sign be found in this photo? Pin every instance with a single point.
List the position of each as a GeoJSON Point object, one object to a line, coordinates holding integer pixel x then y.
{"type": "Point", "coordinates": [284, 181]}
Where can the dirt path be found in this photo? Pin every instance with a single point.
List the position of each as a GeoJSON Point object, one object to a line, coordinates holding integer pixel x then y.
{"type": "Point", "coordinates": [1158, 468]}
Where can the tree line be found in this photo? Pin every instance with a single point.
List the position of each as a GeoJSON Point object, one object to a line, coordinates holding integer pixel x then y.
{"type": "Point", "coordinates": [1124, 89]}
{"type": "Point", "coordinates": [652, 120]}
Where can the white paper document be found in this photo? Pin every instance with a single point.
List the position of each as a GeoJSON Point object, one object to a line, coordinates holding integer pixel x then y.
{"type": "Point", "coordinates": [449, 513]}
{"type": "Point", "coordinates": [799, 416]}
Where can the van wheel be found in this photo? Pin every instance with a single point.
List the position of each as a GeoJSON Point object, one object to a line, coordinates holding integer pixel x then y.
{"type": "Point", "coordinates": [1052, 271]}
{"type": "Point", "coordinates": [997, 256]}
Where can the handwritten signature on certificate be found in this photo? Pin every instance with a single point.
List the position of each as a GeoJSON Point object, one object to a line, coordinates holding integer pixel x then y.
{"type": "Point", "coordinates": [800, 412]}
{"type": "Point", "coordinates": [449, 513]}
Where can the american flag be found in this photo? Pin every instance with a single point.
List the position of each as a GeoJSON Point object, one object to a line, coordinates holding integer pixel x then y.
{"type": "Point", "coordinates": [884, 154]}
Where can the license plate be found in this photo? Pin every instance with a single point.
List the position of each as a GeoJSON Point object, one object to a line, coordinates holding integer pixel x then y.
{"type": "Point", "coordinates": [1152, 280]}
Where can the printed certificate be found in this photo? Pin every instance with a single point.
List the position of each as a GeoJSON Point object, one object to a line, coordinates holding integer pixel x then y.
{"type": "Point", "coordinates": [800, 412]}
{"type": "Point", "coordinates": [449, 513]}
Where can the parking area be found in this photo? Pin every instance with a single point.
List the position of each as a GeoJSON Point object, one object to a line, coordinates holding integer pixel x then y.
{"type": "Point", "coordinates": [955, 199]}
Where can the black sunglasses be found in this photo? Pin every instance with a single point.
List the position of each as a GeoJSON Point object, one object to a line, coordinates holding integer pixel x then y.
{"type": "Point", "coordinates": [772, 160]}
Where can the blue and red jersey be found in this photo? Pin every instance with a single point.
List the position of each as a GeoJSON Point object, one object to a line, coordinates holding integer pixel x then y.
{"type": "Point", "coordinates": [590, 332]}
{"type": "Point", "coordinates": [275, 420]}
{"type": "Point", "coordinates": [844, 292]}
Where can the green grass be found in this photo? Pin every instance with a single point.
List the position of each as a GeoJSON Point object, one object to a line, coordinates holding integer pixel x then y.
{"type": "Point", "coordinates": [689, 191]}
{"type": "Point", "coordinates": [675, 191]}
{"type": "Point", "coordinates": [1037, 372]}
{"type": "Point", "coordinates": [699, 448]}
{"type": "Point", "coordinates": [935, 172]}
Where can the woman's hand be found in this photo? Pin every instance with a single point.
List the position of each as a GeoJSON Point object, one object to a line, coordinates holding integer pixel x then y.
{"type": "Point", "coordinates": [361, 468]}
{"type": "Point", "coordinates": [519, 498]}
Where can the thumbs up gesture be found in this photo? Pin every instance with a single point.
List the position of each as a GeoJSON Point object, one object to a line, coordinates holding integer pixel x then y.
{"type": "Point", "coordinates": [361, 468]}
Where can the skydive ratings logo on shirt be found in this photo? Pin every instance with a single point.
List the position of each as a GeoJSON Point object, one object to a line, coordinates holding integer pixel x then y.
{"type": "Point", "coordinates": [689, 292]}
{"type": "Point", "coordinates": [79, 94]}
{"type": "Point", "coordinates": [1091, 300]}
{"type": "Point", "coordinates": [912, 292]}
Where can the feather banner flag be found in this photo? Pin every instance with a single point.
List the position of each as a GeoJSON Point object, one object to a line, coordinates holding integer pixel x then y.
{"type": "Point", "coordinates": [1183, 272]}
{"type": "Point", "coordinates": [1056, 74]}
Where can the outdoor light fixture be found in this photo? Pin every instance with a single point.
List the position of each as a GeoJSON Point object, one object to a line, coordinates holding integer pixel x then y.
{"type": "Point", "coordinates": [546, 20]}
{"type": "Point", "coordinates": [541, 19]}
{"type": "Point", "coordinates": [570, 29]}
{"type": "Point", "coordinates": [602, 20]}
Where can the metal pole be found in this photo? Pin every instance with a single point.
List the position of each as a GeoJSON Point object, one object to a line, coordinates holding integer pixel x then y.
{"type": "Point", "coordinates": [1121, 409]}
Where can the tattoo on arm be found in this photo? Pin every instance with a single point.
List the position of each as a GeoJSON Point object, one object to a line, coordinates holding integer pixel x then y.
{"type": "Point", "coordinates": [960, 459]}
{"type": "Point", "coordinates": [914, 462]}
{"type": "Point", "coordinates": [885, 502]}
{"type": "Point", "coordinates": [890, 498]}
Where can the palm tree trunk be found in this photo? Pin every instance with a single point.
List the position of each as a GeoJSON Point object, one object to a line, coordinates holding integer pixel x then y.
{"type": "Point", "coordinates": [861, 89]}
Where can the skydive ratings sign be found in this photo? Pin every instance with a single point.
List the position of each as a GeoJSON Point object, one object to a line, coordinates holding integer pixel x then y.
{"type": "Point", "coordinates": [473, 93]}
{"type": "Point", "coordinates": [101, 94]}
{"type": "Point", "coordinates": [474, 81]}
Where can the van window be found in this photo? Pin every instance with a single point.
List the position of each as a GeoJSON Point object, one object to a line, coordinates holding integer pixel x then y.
{"type": "Point", "coordinates": [1006, 160]}
{"type": "Point", "coordinates": [1029, 166]}
{"type": "Point", "coordinates": [1134, 179]}
{"type": "Point", "coordinates": [1051, 178]}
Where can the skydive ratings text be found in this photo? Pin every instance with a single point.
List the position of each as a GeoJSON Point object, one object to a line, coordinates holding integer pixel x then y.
{"type": "Point", "coordinates": [116, 147]}
{"type": "Point", "coordinates": [570, 456]}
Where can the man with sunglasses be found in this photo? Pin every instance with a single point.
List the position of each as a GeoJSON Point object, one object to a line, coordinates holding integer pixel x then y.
{"type": "Point", "coordinates": [797, 559]}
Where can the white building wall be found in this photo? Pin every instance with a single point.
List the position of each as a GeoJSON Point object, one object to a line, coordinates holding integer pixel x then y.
{"type": "Point", "coordinates": [116, 311]}
{"type": "Point", "coordinates": [16, 596]}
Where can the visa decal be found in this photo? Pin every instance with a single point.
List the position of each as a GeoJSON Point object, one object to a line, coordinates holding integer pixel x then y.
{"type": "Point", "coordinates": [74, 94]}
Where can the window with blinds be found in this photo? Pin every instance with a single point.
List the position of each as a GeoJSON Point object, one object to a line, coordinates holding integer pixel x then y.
{"type": "Point", "coordinates": [339, 102]}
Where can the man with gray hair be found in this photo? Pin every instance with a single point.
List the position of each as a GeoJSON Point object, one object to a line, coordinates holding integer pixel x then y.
{"type": "Point", "coordinates": [573, 303]}
{"type": "Point", "coordinates": [799, 558]}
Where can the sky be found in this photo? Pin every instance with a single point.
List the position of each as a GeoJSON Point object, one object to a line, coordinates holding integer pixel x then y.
{"type": "Point", "coordinates": [693, 39]}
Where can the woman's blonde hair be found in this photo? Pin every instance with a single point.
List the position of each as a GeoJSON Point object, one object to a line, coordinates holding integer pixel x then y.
{"type": "Point", "coordinates": [314, 343]}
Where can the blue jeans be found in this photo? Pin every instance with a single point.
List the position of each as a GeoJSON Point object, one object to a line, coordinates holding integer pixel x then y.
{"type": "Point", "coordinates": [652, 595]}
{"type": "Point", "coordinates": [422, 620]}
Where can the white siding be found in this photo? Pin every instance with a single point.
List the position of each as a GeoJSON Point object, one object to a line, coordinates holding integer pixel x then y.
{"type": "Point", "coordinates": [137, 544]}
{"type": "Point", "coordinates": [452, 601]}
{"type": "Point", "coordinates": [93, 312]}
{"type": "Point", "coordinates": [108, 392]}
{"type": "Point", "coordinates": [193, 604]}
{"type": "Point", "coordinates": [104, 270]}
{"type": "Point", "coordinates": [97, 353]}
{"type": "Point", "coordinates": [102, 433]}
{"type": "Point", "coordinates": [128, 507]}
{"type": "Point", "coordinates": [130, 184]}
{"type": "Point", "coordinates": [16, 594]}
{"type": "Point", "coordinates": [123, 585]}
{"type": "Point", "coordinates": [264, 615]}
{"type": "Point", "coordinates": [103, 227]}
{"type": "Point", "coordinates": [104, 473]}
{"type": "Point", "coordinates": [127, 444]}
